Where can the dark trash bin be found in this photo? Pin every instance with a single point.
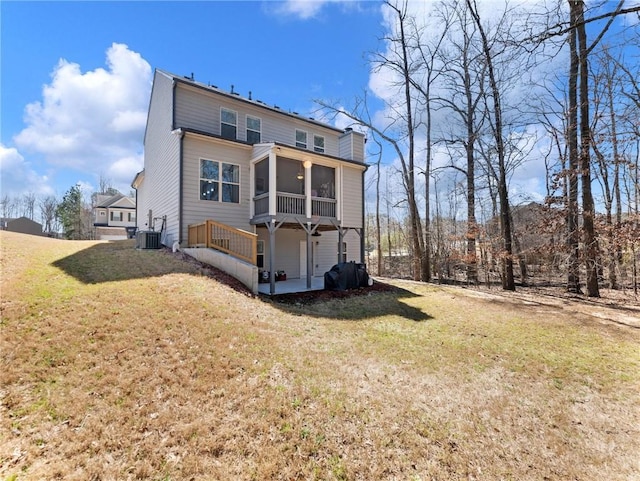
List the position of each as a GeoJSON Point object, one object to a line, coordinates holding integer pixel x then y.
{"type": "Point", "coordinates": [131, 232]}
{"type": "Point", "coordinates": [347, 275]}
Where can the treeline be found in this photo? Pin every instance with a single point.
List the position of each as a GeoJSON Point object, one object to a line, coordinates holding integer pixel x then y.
{"type": "Point", "coordinates": [70, 217]}
{"type": "Point", "coordinates": [471, 96]}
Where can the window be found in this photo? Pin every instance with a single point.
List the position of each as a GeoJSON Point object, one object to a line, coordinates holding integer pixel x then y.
{"type": "Point", "coordinates": [219, 181]}
{"type": "Point", "coordinates": [254, 125]}
{"type": "Point", "coordinates": [228, 123]}
{"type": "Point", "coordinates": [301, 139]}
{"type": "Point", "coordinates": [102, 213]}
{"type": "Point", "coordinates": [132, 217]}
{"type": "Point", "coordinates": [318, 143]}
{"type": "Point", "coordinates": [344, 252]}
{"type": "Point", "coordinates": [260, 254]}
{"type": "Point", "coordinates": [116, 216]}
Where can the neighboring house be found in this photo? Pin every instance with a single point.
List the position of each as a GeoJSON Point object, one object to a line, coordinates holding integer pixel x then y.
{"type": "Point", "coordinates": [297, 183]}
{"type": "Point", "coordinates": [112, 215]}
{"type": "Point", "coordinates": [23, 225]}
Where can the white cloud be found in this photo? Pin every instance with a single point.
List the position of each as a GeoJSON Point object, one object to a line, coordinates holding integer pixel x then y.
{"type": "Point", "coordinates": [18, 177]}
{"type": "Point", "coordinates": [303, 9]}
{"type": "Point", "coordinates": [386, 84]}
{"type": "Point", "coordinates": [122, 171]}
{"type": "Point", "coordinates": [92, 121]}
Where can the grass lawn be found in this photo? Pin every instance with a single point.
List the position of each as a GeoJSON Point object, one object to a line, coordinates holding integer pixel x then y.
{"type": "Point", "coordinates": [124, 364]}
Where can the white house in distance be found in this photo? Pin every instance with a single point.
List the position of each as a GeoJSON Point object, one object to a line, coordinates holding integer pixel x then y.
{"type": "Point", "coordinates": [112, 215]}
{"type": "Point", "coordinates": [294, 184]}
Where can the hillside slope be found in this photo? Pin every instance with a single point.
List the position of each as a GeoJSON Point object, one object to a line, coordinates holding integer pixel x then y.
{"type": "Point", "coordinates": [126, 364]}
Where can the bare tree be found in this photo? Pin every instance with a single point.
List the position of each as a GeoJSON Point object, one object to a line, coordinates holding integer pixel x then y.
{"type": "Point", "coordinates": [463, 74]}
{"type": "Point", "coordinates": [48, 206]}
{"type": "Point", "coordinates": [497, 127]}
{"type": "Point", "coordinates": [28, 205]}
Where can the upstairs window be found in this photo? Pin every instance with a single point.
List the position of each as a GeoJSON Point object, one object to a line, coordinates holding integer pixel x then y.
{"type": "Point", "coordinates": [228, 124]}
{"type": "Point", "coordinates": [318, 143]}
{"type": "Point", "coordinates": [116, 216]}
{"type": "Point", "coordinates": [219, 181]}
{"type": "Point", "coordinates": [132, 217]}
{"type": "Point", "coordinates": [254, 125]}
{"type": "Point", "coordinates": [301, 139]}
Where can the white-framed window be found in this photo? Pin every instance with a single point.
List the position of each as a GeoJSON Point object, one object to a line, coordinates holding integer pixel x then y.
{"type": "Point", "coordinates": [344, 252]}
{"type": "Point", "coordinates": [102, 213]}
{"type": "Point", "coordinates": [219, 181]}
{"type": "Point", "coordinates": [228, 123]}
{"type": "Point", "coordinates": [318, 143]}
{"type": "Point", "coordinates": [260, 253]}
{"type": "Point", "coordinates": [116, 216]}
{"type": "Point", "coordinates": [301, 139]}
{"type": "Point", "coordinates": [254, 129]}
{"type": "Point", "coordinates": [132, 217]}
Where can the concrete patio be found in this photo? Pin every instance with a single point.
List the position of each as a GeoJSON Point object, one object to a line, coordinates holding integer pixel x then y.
{"type": "Point", "coordinates": [292, 285]}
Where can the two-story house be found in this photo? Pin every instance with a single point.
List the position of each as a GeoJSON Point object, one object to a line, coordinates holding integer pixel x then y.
{"type": "Point", "coordinates": [297, 184]}
{"type": "Point", "coordinates": [112, 214]}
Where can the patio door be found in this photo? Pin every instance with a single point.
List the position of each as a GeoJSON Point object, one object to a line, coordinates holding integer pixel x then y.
{"type": "Point", "coordinates": [303, 258]}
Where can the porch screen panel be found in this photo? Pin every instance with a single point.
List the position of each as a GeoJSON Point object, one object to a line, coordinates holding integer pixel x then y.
{"type": "Point", "coordinates": [290, 176]}
{"type": "Point", "coordinates": [323, 182]}
{"type": "Point", "coordinates": [262, 177]}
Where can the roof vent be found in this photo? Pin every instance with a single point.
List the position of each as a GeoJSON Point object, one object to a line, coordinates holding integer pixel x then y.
{"type": "Point", "coordinates": [250, 95]}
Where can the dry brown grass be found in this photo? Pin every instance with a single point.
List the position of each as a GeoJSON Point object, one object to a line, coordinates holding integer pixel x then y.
{"type": "Point", "coordinates": [125, 364]}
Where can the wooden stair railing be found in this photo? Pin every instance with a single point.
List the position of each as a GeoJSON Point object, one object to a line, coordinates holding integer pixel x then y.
{"type": "Point", "coordinates": [215, 235]}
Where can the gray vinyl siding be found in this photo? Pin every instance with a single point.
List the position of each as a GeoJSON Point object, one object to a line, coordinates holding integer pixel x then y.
{"type": "Point", "coordinates": [351, 197]}
{"type": "Point", "coordinates": [351, 145]}
{"type": "Point", "coordinates": [160, 188]}
{"type": "Point", "coordinates": [287, 250]}
{"type": "Point", "coordinates": [196, 210]}
{"type": "Point", "coordinates": [326, 250]}
{"type": "Point", "coordinates": [199, 109]}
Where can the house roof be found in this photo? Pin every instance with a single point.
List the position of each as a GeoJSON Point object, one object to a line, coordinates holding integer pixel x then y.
{"type": "Point", "coordinates": [258, 103]}
{"type": "Point", "coordinates": [118, 200]}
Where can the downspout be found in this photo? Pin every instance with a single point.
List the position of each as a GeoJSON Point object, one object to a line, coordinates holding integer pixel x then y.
{"type": "Point", "coordinates": [362, 232]}
{"type": "Point", "coordinates": [180, 132]}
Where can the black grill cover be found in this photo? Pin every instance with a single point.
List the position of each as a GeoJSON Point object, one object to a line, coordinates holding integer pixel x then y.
{"type": "Point", "coordinates": [346, 275]}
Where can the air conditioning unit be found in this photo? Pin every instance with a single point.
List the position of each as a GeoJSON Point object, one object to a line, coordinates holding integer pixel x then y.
{"type": "Point", "coordinates": [147, 239]}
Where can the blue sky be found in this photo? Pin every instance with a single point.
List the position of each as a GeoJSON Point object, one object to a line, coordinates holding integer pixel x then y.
{"type": "Point", "coordinates": [76, 77]}
{"type": "Point", "coordinates": [69, 70]}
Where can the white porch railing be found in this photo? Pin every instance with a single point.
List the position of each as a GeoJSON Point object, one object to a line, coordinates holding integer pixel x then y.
{"type": "Point", "coordinates": [290, 203]}
{"type": "Point", "coordinates": [295, 204]}
{"type": "Point", "coordinates": [322, 207]}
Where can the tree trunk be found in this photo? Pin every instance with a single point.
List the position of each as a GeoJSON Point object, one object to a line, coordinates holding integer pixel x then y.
{"type": "Point", "coordinates": [588, 208]}
{"type": "Point", "coordinates": [573, 272]}
{"type": "Point", "coordinates": [508, 282]}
